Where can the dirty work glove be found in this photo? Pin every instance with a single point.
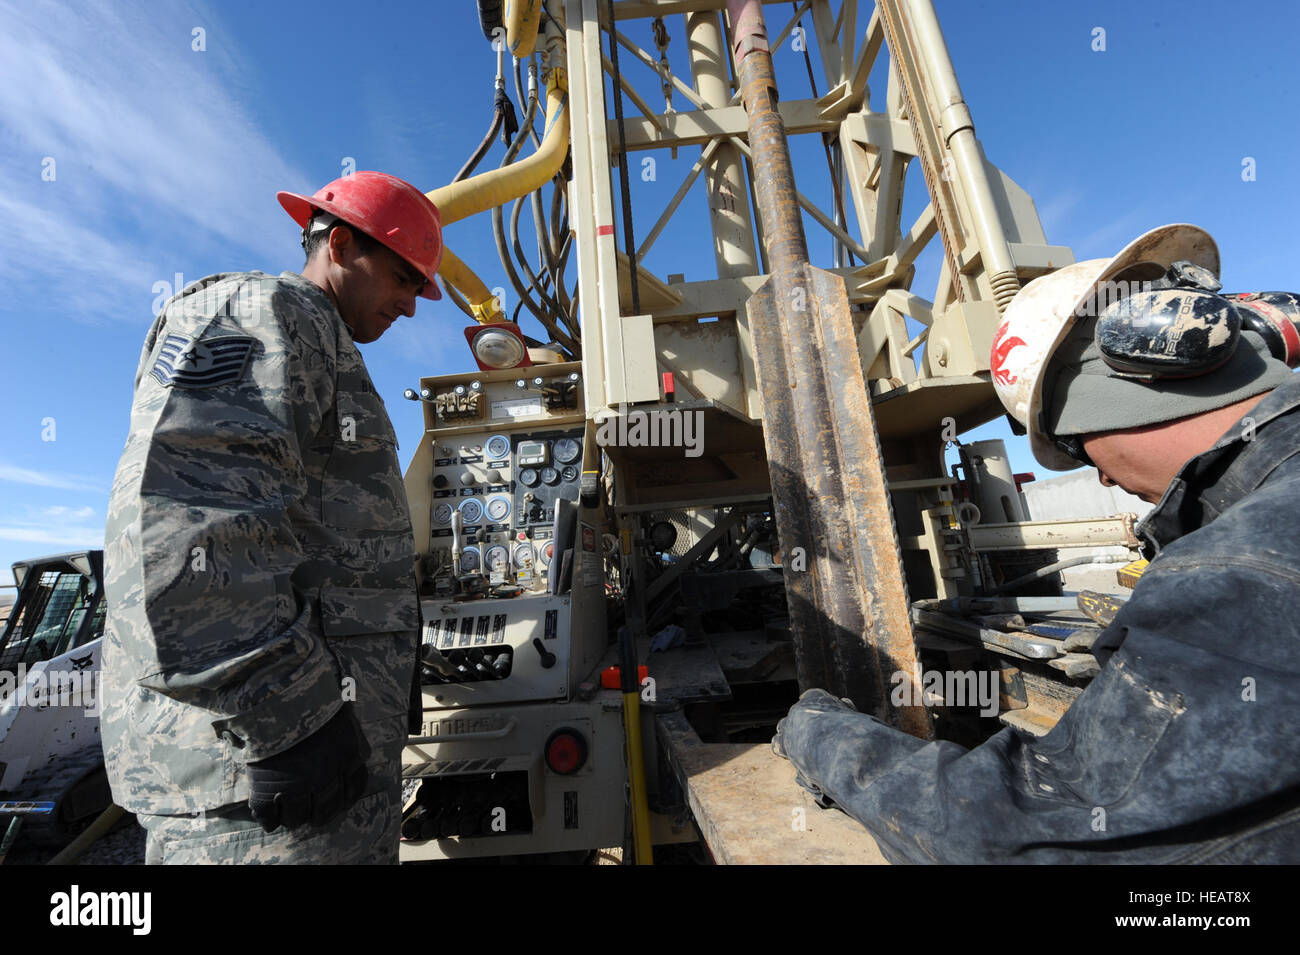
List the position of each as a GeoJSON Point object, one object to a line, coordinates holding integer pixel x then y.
{"type": "Point", "coordinates": [815, 697]}
{"type": "Point", "coordinates": [313, 781]}
{"type": "Point", "coordinates": [815, 700]}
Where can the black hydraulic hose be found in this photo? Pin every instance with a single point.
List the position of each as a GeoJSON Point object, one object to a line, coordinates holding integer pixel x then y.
{"type": "Point", "coordinates": [519, 95]}
{"type": "Point", "coordinates": [539, 311]}
{"type": "Point", "coordinates": [550, 285]}
{"type": "Point", "coordinates": [547, 302]}
{"type": "Point", "coordinates": [533, 280]}
{"type": "Point", "coordinates": [498, 117]}
{"type": "Point", "coordinates": [558, 195]}
{"type": "Point", "coordinates": [498, 223]}
{"type": "Point", "coordinates": [459, 302]}
{"type": "Point", "coordinates": [546, 250]}
{"type": "Point", "coordinates": [557, 279]}
{"type": "Point", "coordinates": [1049, 569]}
{"type": "Point", "coordinates": [571, 314]}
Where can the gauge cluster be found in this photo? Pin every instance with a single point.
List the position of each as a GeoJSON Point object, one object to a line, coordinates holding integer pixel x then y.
{"type": "Point", "coordinates": [504, 488]}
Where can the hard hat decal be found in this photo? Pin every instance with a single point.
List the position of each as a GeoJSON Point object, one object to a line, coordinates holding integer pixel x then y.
{"type": "Point", "coordinates": [1046, 308]}
{"type": "Point", "coordinates": [1000, 351]}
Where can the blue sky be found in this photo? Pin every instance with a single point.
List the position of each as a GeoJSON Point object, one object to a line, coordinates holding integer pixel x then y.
{"type": "Point", "coordinates": [166, 160]}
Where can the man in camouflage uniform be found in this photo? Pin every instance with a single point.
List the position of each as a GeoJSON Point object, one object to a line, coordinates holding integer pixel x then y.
{"type": "Point", "coordinates": [262, 622]}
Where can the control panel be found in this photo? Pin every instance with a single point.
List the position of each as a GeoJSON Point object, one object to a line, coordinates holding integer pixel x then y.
{"type": "Point", "coordinates": [493, 507]}
{"type": "Point", "coordinates": [511, 564]}
{"type": "Point", "coordinates": [494, 651]}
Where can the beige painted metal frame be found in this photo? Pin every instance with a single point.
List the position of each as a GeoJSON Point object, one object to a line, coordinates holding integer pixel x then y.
{"type": "Point", "coordinates": [925, 360]}
{"type": "Point", "coordinates": [989, 228]}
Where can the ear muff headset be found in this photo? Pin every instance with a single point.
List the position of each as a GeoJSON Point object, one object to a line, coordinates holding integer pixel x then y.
{"type": "Point", "coordinates": [1178, 326]}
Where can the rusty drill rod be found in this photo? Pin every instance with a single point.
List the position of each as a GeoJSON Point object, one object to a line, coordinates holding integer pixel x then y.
{"type": "Point", "coordinates": [844, 581]}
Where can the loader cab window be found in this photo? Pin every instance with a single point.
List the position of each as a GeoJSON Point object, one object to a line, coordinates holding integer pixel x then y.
{"type": "Point", "coordinates": [49, 619]}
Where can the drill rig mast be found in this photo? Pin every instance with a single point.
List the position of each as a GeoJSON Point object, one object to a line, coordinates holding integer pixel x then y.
{"type": "Point", "coordinates": [785, 543]}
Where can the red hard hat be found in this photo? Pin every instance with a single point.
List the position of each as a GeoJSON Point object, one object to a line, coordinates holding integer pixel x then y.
{"type": "Point", "coordinates": [386, 208]}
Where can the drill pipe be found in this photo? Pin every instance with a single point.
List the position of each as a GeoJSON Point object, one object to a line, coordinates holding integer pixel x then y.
{"type": "Point", "coordinates": [848, 604]}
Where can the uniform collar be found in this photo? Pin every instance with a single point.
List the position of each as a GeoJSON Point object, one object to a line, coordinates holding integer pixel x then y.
{"type": "Point", "coordinates": [1242, 459]}
{"type": "Point", "coordinates": [311, 287]}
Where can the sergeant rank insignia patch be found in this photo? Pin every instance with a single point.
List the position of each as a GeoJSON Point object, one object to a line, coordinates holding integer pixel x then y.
{"type": "Point", "coordinates": [187, 363]}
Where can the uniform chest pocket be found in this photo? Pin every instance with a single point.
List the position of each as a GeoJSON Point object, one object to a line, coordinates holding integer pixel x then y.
{"type": "Point", "coordinates": [362, 485]}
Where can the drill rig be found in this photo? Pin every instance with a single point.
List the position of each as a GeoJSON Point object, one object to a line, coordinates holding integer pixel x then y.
{"type": "Point", "coordinates": [745, 472]}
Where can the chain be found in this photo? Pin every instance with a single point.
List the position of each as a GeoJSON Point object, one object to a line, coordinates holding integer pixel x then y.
{"type": "Point", "coordinates": [665, 71]}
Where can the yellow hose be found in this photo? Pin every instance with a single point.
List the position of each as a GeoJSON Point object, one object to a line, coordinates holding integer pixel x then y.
{"type": "Point", "coordinates": [460, 200]}
{"type": "Point", "coordinates": [522, 19]}
{"type": "Point", "coordinates": [459, 275]}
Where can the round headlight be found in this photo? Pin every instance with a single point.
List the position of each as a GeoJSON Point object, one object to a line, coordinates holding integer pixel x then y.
{"type": "Point", "coordinates": [498, 349]}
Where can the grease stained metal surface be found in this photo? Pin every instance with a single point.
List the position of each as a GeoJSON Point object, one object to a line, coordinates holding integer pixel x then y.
{"type": "Point", "coordinates": [749, 809]}
{"type": "Point", "coordinates": [848, 608]}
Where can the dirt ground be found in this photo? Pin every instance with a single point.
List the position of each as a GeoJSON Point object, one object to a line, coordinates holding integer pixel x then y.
{"type": "Point", "coordinates": [124, 845]}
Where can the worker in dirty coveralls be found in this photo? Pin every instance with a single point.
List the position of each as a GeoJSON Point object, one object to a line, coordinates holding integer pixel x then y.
{"type": "Point", "coordinates": [262, 625]}
{"type": "Point", "coordinates": [1186, 745]}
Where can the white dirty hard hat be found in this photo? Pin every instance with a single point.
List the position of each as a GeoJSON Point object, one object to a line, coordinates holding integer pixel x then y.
{"type": "Point", "coordinates": [1042, 314]}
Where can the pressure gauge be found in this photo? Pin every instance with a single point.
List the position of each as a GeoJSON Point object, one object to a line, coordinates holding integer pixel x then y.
{"type": "Point", "coordinates": [550, 476]}
{"type": "Point", "coordinates": [544, 553]}
{"type": "Point", "coordinates": [442, 514]}
{"type": "Point", "coordinates": [497, 559]}
{"type": "Point", "coordinates": [523, 555]}
{"type": "Point", "coordinates": [469, 560]}
{"type": "Point", "coordinates": [497, 447]}
{"type": "Point", "coordinates": [471, 511]}
{"type": "Point", "coordinates": [566, 450]}
{"type": "Point", "coordinates": [498, 508]}
{"type": "Point", "coordinates": [528, 477]}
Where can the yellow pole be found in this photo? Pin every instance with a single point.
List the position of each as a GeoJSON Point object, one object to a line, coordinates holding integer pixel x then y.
{"type": "Point", "coordinates": [643, 848]}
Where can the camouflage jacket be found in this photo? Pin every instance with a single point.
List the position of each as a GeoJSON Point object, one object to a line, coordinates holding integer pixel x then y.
{"type": "Point", "coordinates": [258, 513]}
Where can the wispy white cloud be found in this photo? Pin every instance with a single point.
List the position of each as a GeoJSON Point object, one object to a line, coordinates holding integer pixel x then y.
{"type": "Point", "coordinates": [90, 273]}
{"type": "Point", "coordinates": [69, 513]}
{"type": "Point", "coordinates": [65, 482]}
{"type": "Point", "coordinates": [146, 133]}
{"type": "Point", "coordinates": [28, 531]}
{"type": "Point", "coordinates": [60, 536]}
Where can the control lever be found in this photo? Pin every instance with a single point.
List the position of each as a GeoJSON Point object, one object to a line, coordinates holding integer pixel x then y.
{"type": "Point", "coordinates": [501, 667]}
{"type": "Point", "coordinates": [548, 658]}
{"type": "Point", "coordinates": [480, 665]}
{"type": "Point", "coordinates": [457, 541]}
{"type": "Point", "coordinates": [463, 670]}
{"type": "Point", "coordinates": [432, 657]}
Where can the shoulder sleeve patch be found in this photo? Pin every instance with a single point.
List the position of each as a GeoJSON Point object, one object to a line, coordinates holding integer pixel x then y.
{"type": "Point", "coordinates": [188, 363]}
